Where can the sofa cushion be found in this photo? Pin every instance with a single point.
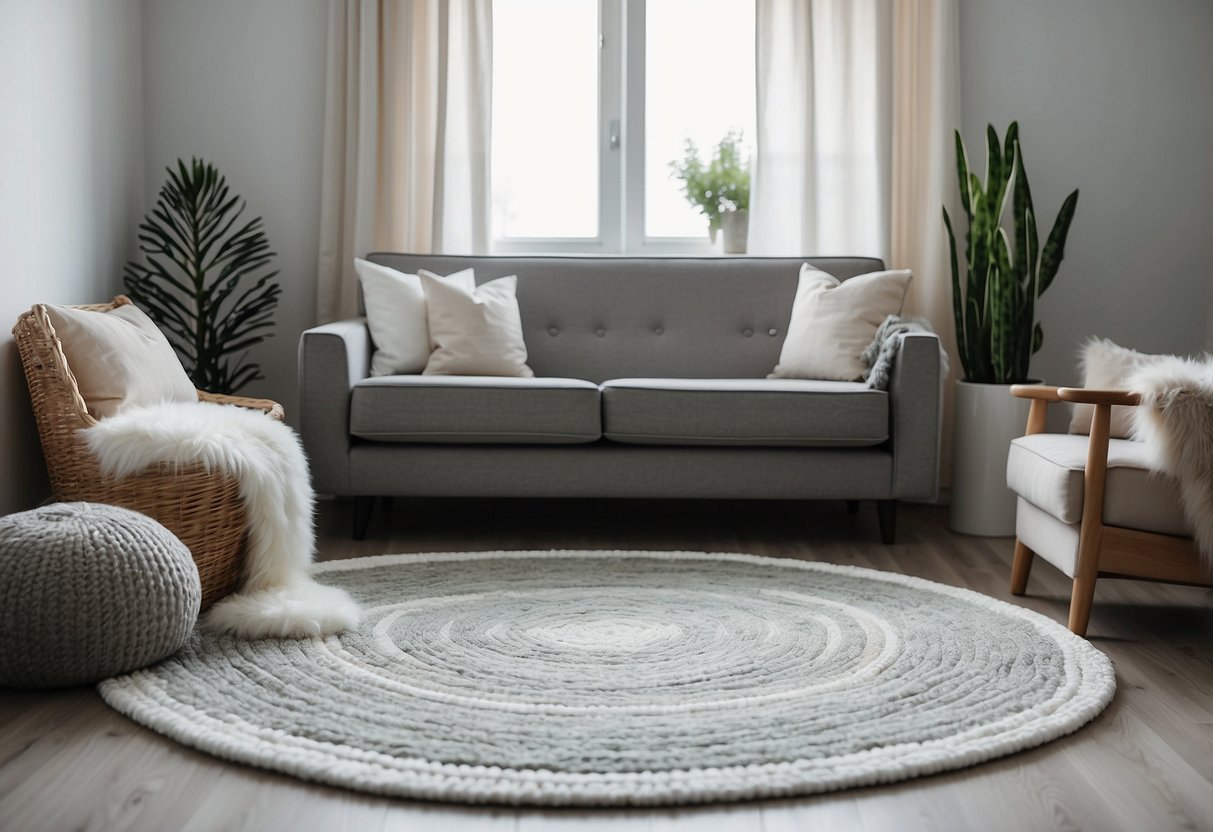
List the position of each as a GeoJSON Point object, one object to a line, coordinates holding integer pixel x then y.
{"type": "Point", "coordinates": [475, 330]}
{"type": "Point", "coordinates": [771, 412]}
{"type": "Point", "coordinates": [396, 316]}
{"type": "Point", "coordinates": [1047, 470]}
{"type": "Point", "coordinates": [833, 322]}
{"type": "Point", "coordinates": [479, 409]}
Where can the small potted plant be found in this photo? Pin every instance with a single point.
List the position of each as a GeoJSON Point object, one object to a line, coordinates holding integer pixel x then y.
{"type": "Point", "coordinates": [994, 292]}
{"type": "Point", "coordinates": [720, 189]}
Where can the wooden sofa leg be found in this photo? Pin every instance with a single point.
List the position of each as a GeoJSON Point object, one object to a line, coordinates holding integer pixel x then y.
{"type": "Point", "coordinates": [852, 506]}
{"type": "Point", "coordinates": [1021, 567]}
{"type": "Point", "coordinates": [886, 513]}
{"type": "Point", "coordinates": [363, 507]}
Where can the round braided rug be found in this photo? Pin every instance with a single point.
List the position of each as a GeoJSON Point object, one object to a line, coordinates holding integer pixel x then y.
{"type": "Point", "coordinates": [613, 678]}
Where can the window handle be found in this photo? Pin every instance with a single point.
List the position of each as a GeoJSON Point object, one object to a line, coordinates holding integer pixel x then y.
{"type": "Point", "coordinates": [613, 134]}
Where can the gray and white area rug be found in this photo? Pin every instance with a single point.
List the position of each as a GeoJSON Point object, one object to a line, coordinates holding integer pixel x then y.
{"type": "Point", "coordinates": [628, 678]}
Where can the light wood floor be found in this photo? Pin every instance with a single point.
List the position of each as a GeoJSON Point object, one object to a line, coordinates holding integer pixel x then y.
{"type": "Point", "coordinates": [68, 762]}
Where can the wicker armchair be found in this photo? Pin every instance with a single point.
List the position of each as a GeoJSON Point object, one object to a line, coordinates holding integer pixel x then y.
{"type": "Point", "coordinates": [203, 509]}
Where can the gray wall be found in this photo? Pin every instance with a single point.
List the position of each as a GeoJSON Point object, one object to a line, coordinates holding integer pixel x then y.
{"type": "Point", "coordinates": [241, 84]}
{"type": "Point", "coordinates": [70, 183]}
{"type": "Point", "coordinates": [1114, 97]}
{"type": "Point", "coordinates": [1209, 337]}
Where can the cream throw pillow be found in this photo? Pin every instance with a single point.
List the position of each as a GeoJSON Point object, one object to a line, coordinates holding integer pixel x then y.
{"type": "Point", "coordinates": [474, 332]}
{"type": "Point", "coordinates": [834, 321]}
{"type": "Point", "coordinates": [120, 359]}
{"type": "Point", "coordinates": [396, 317]}
{"type": "Point", "coordinates": [1105, 366]}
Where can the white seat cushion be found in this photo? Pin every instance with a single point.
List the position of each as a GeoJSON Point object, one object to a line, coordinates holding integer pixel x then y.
{"type": "Point", "coordinates": [1047, 470]}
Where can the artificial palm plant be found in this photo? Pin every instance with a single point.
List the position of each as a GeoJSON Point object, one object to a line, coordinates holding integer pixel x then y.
{"type": "Point", "coordinates": [205, 281]}
{"type": "Point", "coordinates": [995, 310]}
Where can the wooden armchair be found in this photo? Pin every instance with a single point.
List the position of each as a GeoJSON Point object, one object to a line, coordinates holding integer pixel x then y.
{"type": "Point", "coordinates": [1091, 506]}
{"type": "Point", "coordinates": [202, 508]}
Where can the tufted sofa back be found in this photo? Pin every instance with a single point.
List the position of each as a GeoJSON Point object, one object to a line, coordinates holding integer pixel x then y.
{"type": "Point", "coordinates": [598, 318]}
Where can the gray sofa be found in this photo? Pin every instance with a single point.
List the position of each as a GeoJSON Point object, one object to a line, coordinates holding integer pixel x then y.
{"type": "Point", "coordinates": [650, 382]}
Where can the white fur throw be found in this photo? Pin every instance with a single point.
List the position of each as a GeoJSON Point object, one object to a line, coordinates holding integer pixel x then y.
{"type": "Point", "coordinates": [277, 597]}
{"type": "Point", "coordinates": [1175, 419]}
{"type": "Point", "coordinates": [1106, 365]}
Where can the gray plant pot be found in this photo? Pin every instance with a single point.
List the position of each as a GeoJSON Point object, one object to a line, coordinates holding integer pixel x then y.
{"type": "Point", "coordinates": [736, 227]}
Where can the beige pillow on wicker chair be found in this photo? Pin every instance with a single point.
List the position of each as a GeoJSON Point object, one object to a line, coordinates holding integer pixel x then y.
{"type": "Point", "coordinates": [120, 358]}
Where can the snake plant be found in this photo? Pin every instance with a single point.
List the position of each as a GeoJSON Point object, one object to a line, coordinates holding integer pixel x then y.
{"type": "Point", "coordinates": [995, 309]}
{"type": "Point", "coordinates": [205, 281]}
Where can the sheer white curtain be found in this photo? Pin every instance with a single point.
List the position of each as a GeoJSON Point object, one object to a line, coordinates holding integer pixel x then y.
{"type": "Point", "coordinates": [926, 111]}
{"type": "Point", "coordinates": [406, 138]}
{"type": "Point", "coordinates": [821, 179]}
{"type": "Point", "coordinates": [857, 101]}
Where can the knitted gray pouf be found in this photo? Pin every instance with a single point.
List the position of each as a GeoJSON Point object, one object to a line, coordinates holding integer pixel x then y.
{"type": "Point", "coordinates": [88, 591]}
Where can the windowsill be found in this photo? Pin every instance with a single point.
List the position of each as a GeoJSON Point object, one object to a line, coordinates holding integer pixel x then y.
{"type": "Point", "coordinates": [673, 255]}
{"type": "Point", "coordinates": [659, 247]}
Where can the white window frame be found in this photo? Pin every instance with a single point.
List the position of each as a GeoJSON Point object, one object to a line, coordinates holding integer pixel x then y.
{"type": "Point", "coordinates": [621, 111]}
{"type": "Point", "coordinates": [635, 240]}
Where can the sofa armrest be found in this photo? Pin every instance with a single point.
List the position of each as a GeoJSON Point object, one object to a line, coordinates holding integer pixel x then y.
{"type": "Point", "coordinates": [915, 411]}
{"type": "Point", "coordinates": [332, 359]}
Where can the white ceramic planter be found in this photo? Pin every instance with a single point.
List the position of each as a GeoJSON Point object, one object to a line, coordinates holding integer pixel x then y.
{"type": "Point", "coordinates": [736, 225]}
{"type": "Point", "coordinates": [988, 417]}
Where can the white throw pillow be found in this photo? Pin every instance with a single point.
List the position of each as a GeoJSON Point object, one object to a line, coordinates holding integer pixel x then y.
{"type": "Point", "coordinates": [474, 332]}
{"type": "Point", "coordinates": [1107, 366]}
{"type": "Point", "coordinates": [834, 321]}
{"type": "Point", "coordinates": [120, 359]}
{"type": "Point", "coordinates": [395, 315]}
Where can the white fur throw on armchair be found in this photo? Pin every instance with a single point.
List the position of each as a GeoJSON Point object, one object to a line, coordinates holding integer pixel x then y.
{"type": "Point", "coordinates": [1175, 419]}
{"type": "Point", "coordinates": [277, 597]}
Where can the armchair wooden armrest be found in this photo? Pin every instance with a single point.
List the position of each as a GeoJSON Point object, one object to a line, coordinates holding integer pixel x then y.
{"type": "Point", "coordinates": [266, 406]}
{"type": "Point", "coordinates": [1041, 395]}
{"type": "Point", "coordinates": [1087, 395]}
{"type": "Point", "coordinates": [1041, 392]}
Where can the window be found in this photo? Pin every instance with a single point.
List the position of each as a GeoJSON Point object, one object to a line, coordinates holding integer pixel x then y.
{"type": "Point", "coordinates": [592, 101]}
{"type": "Point", "coordinates": [545, 119]}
